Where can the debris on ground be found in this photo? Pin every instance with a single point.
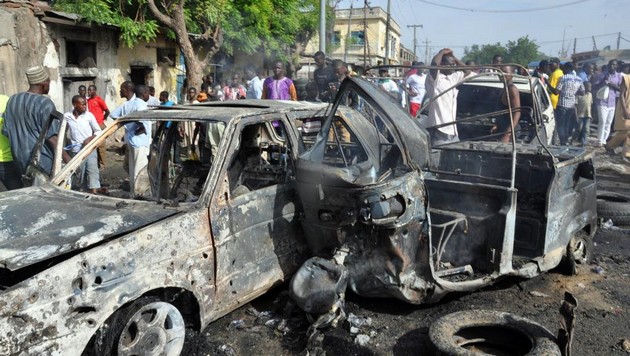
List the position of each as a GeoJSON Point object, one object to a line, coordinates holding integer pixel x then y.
{"type": "Point", "coordinates": [598, 270]}
{"type": "Point", "coordinates": [237, 324]}
{"type": "Point", "coordinates": [609, 225]}
{"type": "Point", "coordinates": [539, 294]}
{"type": "Point", "coordinates": [358, 321]}
{"type": "Point", "coordinates": [362, 340]}
{"type": "Point", "coordinates": [226, 350]}
{"type": "Point", "coordinates": [625, 345]}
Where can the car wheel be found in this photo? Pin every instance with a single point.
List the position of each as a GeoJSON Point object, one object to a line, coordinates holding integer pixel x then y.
{"type": "Point", "coordinates": [579, 252]}
{"type": "Point", "coordinates": [476, 332]}
{"type": "Point", "coordinates": [147, 326]}
{"type": "Point", "coordinates": [614, 206]}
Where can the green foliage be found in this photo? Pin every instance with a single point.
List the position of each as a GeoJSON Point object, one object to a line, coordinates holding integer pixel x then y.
{"type": "Point", "coordinates": [129, 16]}
{"type": "Point", "coordinates": [521, 51]}
{"type": "Point", "coordinates": [247, 25]}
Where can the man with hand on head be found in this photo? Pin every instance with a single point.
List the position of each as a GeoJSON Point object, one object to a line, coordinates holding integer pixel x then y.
{"type": "Point", "coordinates": [444, 108]}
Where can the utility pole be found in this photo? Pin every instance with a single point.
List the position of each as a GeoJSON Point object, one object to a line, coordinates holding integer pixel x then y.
{"type": "Point", "coordinates": [426, 51]}
{"type": "Point", "coordinates": [618, 39]}
{"type": "Point", "coordinates": [594, 44]}
{"type": "Point", "coordinates": [415, 43]}
{"type": "Point", "coordinates": [387, 29]}
{"type": "Point", "coordinates": [322, 25]}
{"type": "Point", "coordinates": [365, 5]}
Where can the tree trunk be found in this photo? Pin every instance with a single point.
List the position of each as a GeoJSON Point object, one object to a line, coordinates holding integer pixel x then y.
{"type": "Point", "coordinates": [176, 21]}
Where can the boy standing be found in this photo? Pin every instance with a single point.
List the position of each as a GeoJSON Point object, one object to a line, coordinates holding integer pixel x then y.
{"type": "Point", "coordinates": [584, 103]}
{"type": "Point", "coordinates": [96, 105]}
{"type": "Point", "coordinates": [83, 129]}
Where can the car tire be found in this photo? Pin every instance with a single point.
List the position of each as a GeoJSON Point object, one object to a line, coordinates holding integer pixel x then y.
{"type": "Point", "coordinates": [466, 333]}
{"type": "Point", "coordinates": [579, 252]}
{"type": "Point", "coordinates": [614, 206]}
{"type": "Point", "coordinates": [146, 326]}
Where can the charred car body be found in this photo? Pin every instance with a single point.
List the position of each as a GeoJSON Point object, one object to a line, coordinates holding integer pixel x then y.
{"type": "Point", "coordinates": [415, 222]}
{"type": "Point", "coordinates": [109, 274]}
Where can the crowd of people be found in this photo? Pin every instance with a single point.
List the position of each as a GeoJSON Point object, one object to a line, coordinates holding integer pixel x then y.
{"type": "Point", "coordinates": [580, 95]}
{"type": "Point", "coordinates": [575, 96]}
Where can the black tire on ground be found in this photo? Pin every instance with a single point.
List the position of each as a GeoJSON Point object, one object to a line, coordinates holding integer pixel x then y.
{"type": "Point", "coordinates": [579, 252]}
{"type": "Point", "coordinates": [467, 333]}
{"type": "Point", "coordinates": [614, 206]}
{"type": "Point", "coordinates": [145, 326]}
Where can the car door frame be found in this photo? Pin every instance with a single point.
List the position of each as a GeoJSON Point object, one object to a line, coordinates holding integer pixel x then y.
{"type": "Point", "coordinates": [247, 269]}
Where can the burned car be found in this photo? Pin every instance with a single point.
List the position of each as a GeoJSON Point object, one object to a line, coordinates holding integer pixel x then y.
{"type": "Point", "coordinates": [388, 215]}
{"type": "Point", "coordinates": [478, 107]}
{"type": "Point", "coordinates": [108, 274]}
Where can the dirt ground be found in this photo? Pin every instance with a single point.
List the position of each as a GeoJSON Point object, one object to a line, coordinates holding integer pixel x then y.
{"type": "Point", "coordinates": [267, 326]}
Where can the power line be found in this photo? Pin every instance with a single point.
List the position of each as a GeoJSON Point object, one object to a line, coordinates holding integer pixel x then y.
{"type": "Point", "coordinates": [504, 11]}
{"type": "Point", "coordinates": [578, 38]}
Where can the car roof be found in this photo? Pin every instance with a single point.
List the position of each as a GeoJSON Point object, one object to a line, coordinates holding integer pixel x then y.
{"type": "Point", "coordinates": [223, 110]}
{"type": "Point", "coordinates": [493, 81]}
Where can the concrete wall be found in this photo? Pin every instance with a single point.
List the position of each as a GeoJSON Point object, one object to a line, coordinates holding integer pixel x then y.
{"type": "Point", "coordinates": [23, 44]}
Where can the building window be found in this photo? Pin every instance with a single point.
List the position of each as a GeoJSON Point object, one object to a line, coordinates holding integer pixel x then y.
{"type": "Point", "coordinates": [80, 54]}
{"type": "Point", "coordinates": [336, 38]}
{"type": "Point", "coordinates": [392, 49]}
{"type": "Point", "coordinates": [167, 56]}
{"type": "Point", "coordinates": [357, 38]}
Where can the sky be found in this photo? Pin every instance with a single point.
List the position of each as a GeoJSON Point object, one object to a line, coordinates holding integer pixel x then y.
{"type": "Point", "coordinates": [491, 21]}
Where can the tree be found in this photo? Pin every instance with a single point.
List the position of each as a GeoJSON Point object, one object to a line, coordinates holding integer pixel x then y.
{"type": "Point", "coordinates": [522, 51]}
{"type": "Point", "coordinates": [203, 27]}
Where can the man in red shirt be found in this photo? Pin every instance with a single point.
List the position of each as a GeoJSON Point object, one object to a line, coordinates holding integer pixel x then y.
{"type": "Point", "coordinates": [98, 108]}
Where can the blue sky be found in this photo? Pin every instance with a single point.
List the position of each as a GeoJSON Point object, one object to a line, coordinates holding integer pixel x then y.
{"type": "Point", "coordinates": [445, 27]}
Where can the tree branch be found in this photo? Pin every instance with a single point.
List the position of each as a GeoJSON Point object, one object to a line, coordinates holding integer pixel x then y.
{"type": "Point", "coordinates": [166, 20]}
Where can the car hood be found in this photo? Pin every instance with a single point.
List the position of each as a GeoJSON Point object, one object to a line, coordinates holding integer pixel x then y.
{"type": "Point", "coordinates": [39, 223]}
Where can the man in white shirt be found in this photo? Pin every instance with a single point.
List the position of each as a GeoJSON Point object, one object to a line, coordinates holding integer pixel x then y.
{"type": "Point", "coordinates": [254, 84]}
{"type": "Point", "coordinates": [387, 84]}
{"type": "Point", "coordinates": [444, 108]}
{"type": "Point", "coordinates": [137, 133]}
{"type": "Point", "coordinates": [415, 83]}
{"type": "Point", "coordinates": [83, 129]}
{"type": "Point", "coordinates": [153, 101]}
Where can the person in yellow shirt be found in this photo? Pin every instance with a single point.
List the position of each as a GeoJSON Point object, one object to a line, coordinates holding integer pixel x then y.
{"type": "Point", "coordinates": [554, 79]}
{"type": "Point", "coordinates": [9, 174]}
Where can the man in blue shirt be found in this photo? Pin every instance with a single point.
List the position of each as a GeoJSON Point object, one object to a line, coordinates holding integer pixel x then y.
{"type": "Point", "coordinates": [137, 133]}
{"type": "Point", "coordinates": [164, 99]}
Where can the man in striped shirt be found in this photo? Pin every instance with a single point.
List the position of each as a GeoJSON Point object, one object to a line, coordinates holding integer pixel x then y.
{"type": "Point", "coordinates": [568, 87]}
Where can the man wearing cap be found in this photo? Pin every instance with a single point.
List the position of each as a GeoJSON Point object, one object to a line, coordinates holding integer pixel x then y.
{"type": "Point", "coordinates": [26, 116]}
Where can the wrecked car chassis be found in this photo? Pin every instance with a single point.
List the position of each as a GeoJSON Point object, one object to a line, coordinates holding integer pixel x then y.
{"type": "Point", "coordinates": [84, 273]}
{"type": "Point", "coordinates": [463, 217]}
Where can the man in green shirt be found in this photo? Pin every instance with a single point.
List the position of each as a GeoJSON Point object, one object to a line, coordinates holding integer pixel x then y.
{"type": "Point", "coordinates": [9, 174]}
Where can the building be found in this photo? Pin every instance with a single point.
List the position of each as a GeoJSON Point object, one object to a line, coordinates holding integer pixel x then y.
{"type": "Point", "coordinates": [76, 53]}
{"type": "Point", "coordinates": [406, 55]}
{"type": "Point", "coordinates": [359, 38]}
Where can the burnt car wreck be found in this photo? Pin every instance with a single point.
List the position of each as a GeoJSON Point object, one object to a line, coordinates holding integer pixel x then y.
{"type": "Point", "coordinates": [405, 220]}
{"type": "Point", "coordinates": [95, 274]}
{"type": "Point", "coordinates": [349, 196]}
